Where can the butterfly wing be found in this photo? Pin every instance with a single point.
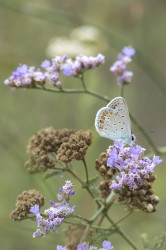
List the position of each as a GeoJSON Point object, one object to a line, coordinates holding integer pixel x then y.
{"type": "Point", "coordinates": [113, 121]}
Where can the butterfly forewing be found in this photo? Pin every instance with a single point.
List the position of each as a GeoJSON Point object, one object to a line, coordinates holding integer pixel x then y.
{"type": "Point", "coordinates": [113, 121]}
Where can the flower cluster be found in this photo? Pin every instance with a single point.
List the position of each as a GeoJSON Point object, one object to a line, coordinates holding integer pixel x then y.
{"type": "Point", "coordinates": [56, 213]}
{"type": "Point", "coordinates": [26, 77]}
{"type": "Point", "coordinates": [120, 66]}
{"type": "Point", "coordinates": [29, 77]}
{"type": "Point", "coordinates": [106, 245]}
{"type": "Point", "coordinates": [135, 175]}
{"type": "Point", "coordinates": [81, 63]}
{"type": "Point", "coordinates": [49, 145]}
{"type": "Point", "coordinates": [24, 201]}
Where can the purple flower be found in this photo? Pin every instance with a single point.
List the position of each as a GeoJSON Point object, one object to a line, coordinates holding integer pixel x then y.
{"type": "Point", "coordinates": [71, 68]}
{"type": "Point", "coordinates": [61, 248]}
{"type": "Point", "coordinates": [133, 168]}
{"type": "Point", "coordinates": [128, 51]}
{"type": "Point", "coordinates": [46, 64]}
{"type": "Point", "coordinates": [77, 66]}
{"type": "Point", "coordinates": [25, 76]}
{"type": "Point", "coordinates": [66, 191]}
{"type": "Point", "coordinates": [126, 77]}
{"type": "Point", "coordinates": [39, 234]}
{"type": "Point", "coordinates": [120, 66]}
{"type": "Point", "coordinates": [35, 209]}
{"type": "Point", "coordinates": [56, 213]}
{"type": "Point", "coordinates": [107, 245]}
{"type": "Point", "coordinates": [156, 160]}
{"type": "Point", "coordinates": [85, 246]}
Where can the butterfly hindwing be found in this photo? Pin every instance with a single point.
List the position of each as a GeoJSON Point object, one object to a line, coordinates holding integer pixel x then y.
{"type": "Point", "coordinates": [113, 121]}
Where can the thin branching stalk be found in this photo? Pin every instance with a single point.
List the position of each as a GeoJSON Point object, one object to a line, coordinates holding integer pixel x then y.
{"type": "Point", "coordinates": [86, 171]}
{"type": "Point", "coordinates": [123, 218]}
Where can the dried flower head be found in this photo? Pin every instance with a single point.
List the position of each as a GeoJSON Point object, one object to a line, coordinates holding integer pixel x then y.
{"type": "Point", "coordinates": [24, 201]}
{"type": "Point", "coordinates": [104, 188]}
{"type": "Point", "coordinates": [42, 148]}
{"type": "Point", "coordinates": [135, 176]}
{"type": "Point", "coordinates": [74, 235]}
{"type": "Point", "coordinates": [106, 172]}
{"type": "Point", "coordinates": [101, 165]}
{"type": "Point", "coordinates": [75, 147]}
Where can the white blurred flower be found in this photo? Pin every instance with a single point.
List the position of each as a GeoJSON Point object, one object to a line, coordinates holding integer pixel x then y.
{"type": "Point", "coordinates": [86, 34]}
{"type": "Point", "coordinates": [69, 47]}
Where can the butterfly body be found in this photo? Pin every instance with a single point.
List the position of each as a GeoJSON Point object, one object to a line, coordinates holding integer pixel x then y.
{"type": "Point", "coordinates": [113, 121]}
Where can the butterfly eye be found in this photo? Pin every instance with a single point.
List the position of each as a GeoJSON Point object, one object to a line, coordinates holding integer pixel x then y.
{"type": "Point", "coordinates": [133, 138]}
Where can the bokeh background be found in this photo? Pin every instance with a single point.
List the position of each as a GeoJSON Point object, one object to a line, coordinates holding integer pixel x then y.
{"type": "Point", "coordinates": [26, 29]}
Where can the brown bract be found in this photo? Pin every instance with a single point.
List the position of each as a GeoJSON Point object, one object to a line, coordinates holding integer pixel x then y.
{"type": "Point", "coordinates": [101, 166]}
{"type": "Point", "coordinates": [25, 200]}
{"type": "Point", "coordinates": [75, 147]}
{"type": "Point", "coordinates": [48, 146]}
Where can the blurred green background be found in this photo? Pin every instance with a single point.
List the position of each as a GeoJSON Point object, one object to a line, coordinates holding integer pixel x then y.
{"type": "Point", "coordinates": [26, 29]}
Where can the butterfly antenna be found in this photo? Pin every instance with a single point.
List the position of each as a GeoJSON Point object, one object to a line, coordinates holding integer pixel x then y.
{"type": "Point", "coordinates": [150, 131]}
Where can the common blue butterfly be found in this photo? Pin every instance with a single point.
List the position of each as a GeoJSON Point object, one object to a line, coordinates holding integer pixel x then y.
{"type": "Point", "coordinates": [113, 122]}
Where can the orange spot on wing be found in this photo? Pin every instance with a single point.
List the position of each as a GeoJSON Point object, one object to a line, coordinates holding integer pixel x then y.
{"type": "Point", "coordinates": [101, 121]}
{"type": "Point", "coordinates": [103, 117]}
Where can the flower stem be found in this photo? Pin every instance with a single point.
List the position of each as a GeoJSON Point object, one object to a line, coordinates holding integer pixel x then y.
{"type": "Point", "coordinates": [83, 82]}
{"type": "Point", "coordinates": [86, 186]}
{"type": "Point", "coordinates": [124, 236]}
{"type": "Point", "coordinates": [86, 171]}
{"type": "Point", "coordinates": [123, 218]}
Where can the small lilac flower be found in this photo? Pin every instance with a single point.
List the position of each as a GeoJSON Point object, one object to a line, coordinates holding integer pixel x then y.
{"type": "Point", "coordinates": [25, 77]}
{"type": "Point", "coordinates": [46, 64]}
{"type": "Point", "coordinates": [56, 213]}
{"type": "Point", "coordinates": [120, 66]}
{"type": "Point", "coordinates": [66, 191]}
{"type": "Point", "coordinates": [39, 234]}
{"type": "Point", "coordinates": [128, 51]}
{"type": "Point", "coordinates": [76, 67]}
{"type": "Point", "coordinates": [61, 248]}
{"type": "Point", "coordinates": [85, 246]}
{"type": "Point", "coordinates": [133, 168]}
{"type": "Point", "coordinates": [107, 245]}
{"type": "Point", "coordinates": [35, 209]}
{"type": "Point", "coordinates": [71, 68]}
{"type": "Point", "coordinates": [156, 160]}
{"type": "Point", "coordinates": [125, 77]}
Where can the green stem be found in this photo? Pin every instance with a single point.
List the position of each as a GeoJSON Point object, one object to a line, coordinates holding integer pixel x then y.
{"type": "Point", "coordinates": [86, 231]}
{"type": "Point", "coordinates": [124, 236]}
{"type": "Point", "coordinates": [80, 217]}
{"type": "Point", "coordinates": [109, 201]}
{"type": "Point", "coordinates": [86, 187]}
{"type": "Point", "coordinates": [86, 171]}
{"type": "Point", "coordinates": [83, 82]}
{"type": "Point", "coordinates": [123, 218]}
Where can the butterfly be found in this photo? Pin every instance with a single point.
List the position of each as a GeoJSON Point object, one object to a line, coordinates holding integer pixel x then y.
{"type": "Point", "coordinates": [113, 122]}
